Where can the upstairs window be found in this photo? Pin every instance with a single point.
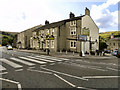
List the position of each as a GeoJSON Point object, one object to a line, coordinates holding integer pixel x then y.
{"type": "Point", "coordinates": [52, 33]}
{"type": "Point", "coordinates": [72, 23]}
{"type": "Point", "coordinates": [73, 31]}
{"type": "Point", "coordinates": [47, 33]}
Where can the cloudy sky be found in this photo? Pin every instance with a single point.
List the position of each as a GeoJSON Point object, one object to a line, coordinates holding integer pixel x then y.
{"type": "Point", "coordinates": [19, 15]}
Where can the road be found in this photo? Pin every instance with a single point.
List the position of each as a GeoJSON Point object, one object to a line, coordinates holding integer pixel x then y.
{"type": "Point", "coordinates": [29, 70]}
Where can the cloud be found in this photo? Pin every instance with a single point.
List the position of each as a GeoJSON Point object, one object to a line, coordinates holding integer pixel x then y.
{"type": "Point", "coordinates": [103, 17]}
{"type": "Point", "coordinates": [19, 15]}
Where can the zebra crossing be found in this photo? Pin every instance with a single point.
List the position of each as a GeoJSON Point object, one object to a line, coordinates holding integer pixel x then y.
{"type": "Point", "coordinates": [20, 61]}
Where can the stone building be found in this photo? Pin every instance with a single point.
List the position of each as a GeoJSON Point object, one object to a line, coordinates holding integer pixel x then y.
{"type": "Point", "coordinates": [63, 35]}
{"type": "Point", "coordinates": [113, 44]}
{"type": "Point", "coordinates": [23, 38]}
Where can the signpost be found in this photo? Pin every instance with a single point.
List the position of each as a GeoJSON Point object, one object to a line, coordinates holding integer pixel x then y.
{"type": "Point", "coordinates": [82, 38]}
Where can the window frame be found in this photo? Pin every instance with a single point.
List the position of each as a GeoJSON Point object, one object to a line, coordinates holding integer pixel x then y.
{"type": "Point", "coordinates": [73, 29]}
{"type": "Point", "coordinates": [74, 44]}
{"type": "Point", "coordinates": [47, 44]}
{"type": "Point", "coordinates": [73, 23]}
{"type": "Point", "coordinates": [52, 43]}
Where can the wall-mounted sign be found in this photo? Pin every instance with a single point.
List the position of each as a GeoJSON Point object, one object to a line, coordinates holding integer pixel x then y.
{"type": "Point", "coordinates": [82, 37]}
{"type": "Point", "coordinates": [85, 31]}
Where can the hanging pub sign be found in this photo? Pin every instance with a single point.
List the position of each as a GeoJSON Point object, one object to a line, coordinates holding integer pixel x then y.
{"type": "Point", "coordinates": [82, 37]}
{"type": "Point", "coordinates": [85, 31]}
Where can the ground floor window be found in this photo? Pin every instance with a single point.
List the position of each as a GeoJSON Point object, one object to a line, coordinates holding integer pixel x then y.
{"type": "Point", "coordinates": [72, 44]}
{"type": "Point", "coordinates": [52, 44]}
{"type": "Point", "coordinates": [47, 44]}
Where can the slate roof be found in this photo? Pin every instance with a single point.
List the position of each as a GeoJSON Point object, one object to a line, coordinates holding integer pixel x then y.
{"type": "Point", "coordinates": [57, 24]}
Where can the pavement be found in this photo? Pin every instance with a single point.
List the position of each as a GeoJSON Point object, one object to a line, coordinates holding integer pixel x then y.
{"type": "Point", "coordinates": [70, 55]}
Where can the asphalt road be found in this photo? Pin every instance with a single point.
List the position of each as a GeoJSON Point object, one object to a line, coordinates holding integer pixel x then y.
{"type": "Point", "coordinates": [28, 70]}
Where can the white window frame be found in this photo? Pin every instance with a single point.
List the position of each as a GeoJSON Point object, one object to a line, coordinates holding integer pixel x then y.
{"type": "Point", "coordinates": [73, 29]}
{"type": "Point", "coordinates": [74, 44]}
{"type": "Point", "coordinates": [53, 30]}
{"type": "Point", "coordinates": [47, 44]}
{"type": "Point", "coordinates": [52, 43]}
{"type": "Point", "coordinates": [73, 23]}
{"type": "Point", "coordinates": [47, 32]}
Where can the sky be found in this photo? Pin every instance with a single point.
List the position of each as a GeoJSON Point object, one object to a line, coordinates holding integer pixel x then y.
{"type": "Point", "coordinates": [19, 15]}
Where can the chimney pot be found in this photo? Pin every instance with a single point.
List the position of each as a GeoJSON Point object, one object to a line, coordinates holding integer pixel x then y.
{"type": "Point", "coordinates": [71, 15]}
{"type": "Point", "coordinates": [46, 22]}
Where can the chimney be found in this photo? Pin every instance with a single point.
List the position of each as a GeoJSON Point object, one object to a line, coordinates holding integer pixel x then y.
{"type": "Point", "coordinates": [87, 11]}
{"type": "Point", "coordinates": [71, 15]}
{"type": "Point", "coordinates": [46, 22]}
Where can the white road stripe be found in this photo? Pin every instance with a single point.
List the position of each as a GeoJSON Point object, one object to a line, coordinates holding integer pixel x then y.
{"type": "Point", "coordinates": [88, 77]}
{"type": "Point", "coordinates": [65, 80]}
{"type": "Point", "coordinates": [40, 62]}
{"type": "Point", "coordinates": [3, 73]}
{"type": "Point", "coordinates": [2, 68]}
{"type": "Point", "coordinates": [65, 74]}
{"type": "Point", "coordinates": [19, 70]}
{"type": "Point", "coordinates": [86, 88]}
{"type": "Point", "coordinates": [18, 84]}
{"type": "Point", "coordinates": [23, 62]}
{"type": "Point", "coordinates": [14, 65]}
{"type": "Point", "coordinates": [40, 59]}
{"type": "Point", "coordinates": [50, 58]}
{"type": "Point", "coordinates": [113, 69]}
{"type": "Point", "coordinates": [39, 71]}
{"type": "Point", "coordinates": [9, 81]}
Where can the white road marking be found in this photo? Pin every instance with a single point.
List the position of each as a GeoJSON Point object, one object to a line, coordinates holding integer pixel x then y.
{"type": "Point", "coordinates": [85, 66]}
{"type": "Point", "coordinates": [19, 70]}
{"type": "Point", "coordinates": [65, 74]}
{"type": "Point", "coordinates": [18, 84]}
{"type": "Point", "coordinates": [3, 73]}
{"type": "Point", "coordinates": [88, 77]}
{"type": "Point", "coordinates": [2, 68]}
{"type": "Point", "coordinates": [52, 58]}
{"type": "Point", "coordinates": [86, 88]}
{"type": "Point", "coordinates": [39, 71]}
{"type": "Point", "coordinates": [40, 59]}
{"type": "Point", "coordinates": [113, 69]}
{"type": "Point", "coordinates": [43, 65]}
{"type": "Point", "coordinates": [14, 65]}
{"type": "Point", "coordinates": [40, 62]}
{"type": "Point", "coordinates": [23, 62]}
{"type": "Point", "coordinates": [65, 80]}
{"type": "Point", "coordinates": [52, 64]}
{"type": "Point", "coordinates": [19, 87]}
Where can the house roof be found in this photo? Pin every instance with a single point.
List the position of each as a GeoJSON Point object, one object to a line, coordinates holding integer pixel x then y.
{"type": "Point", "coordinates": [32, 29]}
{"type": "Point", "coordinates": [57, 24]}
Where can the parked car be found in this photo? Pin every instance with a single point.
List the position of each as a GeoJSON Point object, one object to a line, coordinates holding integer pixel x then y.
{"type": "Point", "coordinates": [107, 51]}
{"type": "Point", "coordinates": [114, 53]}
{"type": "Point", "coordinates": [118, 54]}
{"type": "Point", "coordinates": [9, 47]}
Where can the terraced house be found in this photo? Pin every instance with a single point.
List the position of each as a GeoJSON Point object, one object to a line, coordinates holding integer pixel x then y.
{"type": "Point", "coordinates": [23, 38]}
{"type": "Point", "coordinates": [63, 35]}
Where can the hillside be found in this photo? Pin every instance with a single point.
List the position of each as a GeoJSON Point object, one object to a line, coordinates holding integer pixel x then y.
{"type": "Point", "coordinates": [7, 37]}
{"type": "Point", "coordinates": [105, 36]}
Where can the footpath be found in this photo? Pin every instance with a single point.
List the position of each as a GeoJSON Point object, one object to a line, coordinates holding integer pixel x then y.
{"type": "Point", "coordinates": [70, 55]}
